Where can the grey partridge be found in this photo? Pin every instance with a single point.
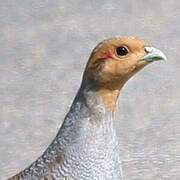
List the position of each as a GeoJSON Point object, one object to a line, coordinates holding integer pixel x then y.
{"type": "Point", "coordinates": [86, 145]}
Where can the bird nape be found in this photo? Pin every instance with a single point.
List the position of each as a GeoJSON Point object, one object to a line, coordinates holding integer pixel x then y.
{"type": "Point", "coordinates": [86, 146]}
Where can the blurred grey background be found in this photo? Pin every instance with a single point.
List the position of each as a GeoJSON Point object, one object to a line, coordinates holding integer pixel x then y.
{"type": "Point", "coordinates": [44, 46]}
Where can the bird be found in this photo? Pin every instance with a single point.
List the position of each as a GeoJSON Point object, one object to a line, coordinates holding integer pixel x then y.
{"type": "Point", "coordinates": [86, 146]}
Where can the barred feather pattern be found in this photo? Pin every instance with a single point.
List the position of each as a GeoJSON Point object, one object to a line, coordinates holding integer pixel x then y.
{"type": "Point", "coordinates": [85, 148]}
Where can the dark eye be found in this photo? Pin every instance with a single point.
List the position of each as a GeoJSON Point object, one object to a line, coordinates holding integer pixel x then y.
{"type": "Point", "coordinates": [121, 51]}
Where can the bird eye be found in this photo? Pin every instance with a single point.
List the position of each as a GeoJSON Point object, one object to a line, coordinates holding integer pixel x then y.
{"type": "Point", "coordinates": [121, 51]}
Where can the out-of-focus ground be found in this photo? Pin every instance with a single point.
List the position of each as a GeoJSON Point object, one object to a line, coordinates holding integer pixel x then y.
{"type": "Point", "coordinates": [44, 46]}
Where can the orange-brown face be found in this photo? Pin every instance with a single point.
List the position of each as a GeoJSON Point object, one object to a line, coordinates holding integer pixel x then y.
{"type": "Point", "coordinates": [115, 60]}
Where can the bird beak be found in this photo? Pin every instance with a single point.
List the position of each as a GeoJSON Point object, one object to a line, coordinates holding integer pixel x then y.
{"type": "Point", "coordinates": [153, 54]}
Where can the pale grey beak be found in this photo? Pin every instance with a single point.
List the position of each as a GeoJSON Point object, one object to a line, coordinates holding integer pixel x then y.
{"type": "Point", "coordinates": [153, 54]}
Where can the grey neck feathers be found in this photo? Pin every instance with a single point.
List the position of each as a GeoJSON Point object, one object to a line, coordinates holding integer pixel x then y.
{"type": "Point", "coordinates": [85, 146]}
{"type": "Point", "coordinates": [87, 118]}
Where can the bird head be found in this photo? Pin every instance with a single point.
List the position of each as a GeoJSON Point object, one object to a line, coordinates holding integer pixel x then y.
{"type": "Point", "coordinates": [115, 60]}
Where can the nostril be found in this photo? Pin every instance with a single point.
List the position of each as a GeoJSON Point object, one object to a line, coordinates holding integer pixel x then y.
{"type": "Point", "coordinates": [148, 49]}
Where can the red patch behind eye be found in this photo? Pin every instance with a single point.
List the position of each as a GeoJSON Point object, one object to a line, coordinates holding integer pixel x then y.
{"type": "Point", "coordinates": [108, 54]}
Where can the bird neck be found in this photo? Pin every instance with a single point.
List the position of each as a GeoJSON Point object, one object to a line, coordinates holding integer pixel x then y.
{"type": "Point", "coordinates": [109, 98]}
{"type": "Point", "coordinates": [87, 136]}
{"type": "Point", "coordinates": [106, 93]}
{"type": "Point", "coordinates": [88, 120]}
{"type": "Point", "coordinates": [88, 117]}
{"type": "Point", "coordinates": [95, 101]}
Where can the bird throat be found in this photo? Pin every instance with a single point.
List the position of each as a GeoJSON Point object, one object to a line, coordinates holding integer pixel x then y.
{"type": "Point", "coordinates": [109, 95]}
{"type": "Point", "coordinates": [109, 98]}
